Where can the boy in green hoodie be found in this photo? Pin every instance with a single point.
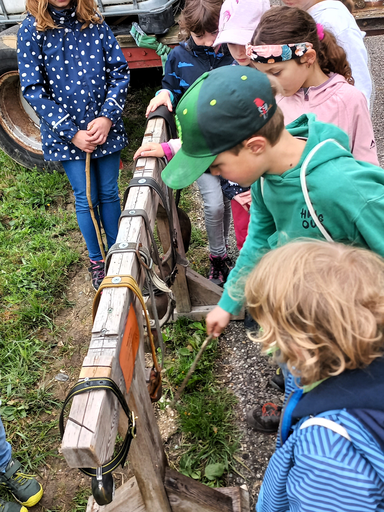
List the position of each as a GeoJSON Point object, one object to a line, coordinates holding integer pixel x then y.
{"type": "Point", "coordinates": [311, 185]}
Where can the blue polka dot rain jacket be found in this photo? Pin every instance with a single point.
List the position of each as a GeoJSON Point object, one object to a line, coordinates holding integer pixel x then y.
{"type": "Point", "coordinates": [70, 77]}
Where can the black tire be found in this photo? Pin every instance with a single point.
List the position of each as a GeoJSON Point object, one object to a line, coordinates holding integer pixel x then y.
{"type": "Point", "coordinates": [19, 129]}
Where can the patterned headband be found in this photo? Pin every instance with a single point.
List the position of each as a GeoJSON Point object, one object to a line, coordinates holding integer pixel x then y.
{"type": "Point", "coordinates": [269, 54]}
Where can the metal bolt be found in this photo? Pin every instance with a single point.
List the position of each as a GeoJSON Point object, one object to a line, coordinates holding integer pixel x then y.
{"type": "Point", "coordinates": [123, 245]}
{"type": "Point", "coordinates": [116, 280]}
{"type": "Point", "coordinates": [132, 212]}
{"type": "Point", "coordinates": [142, 180]}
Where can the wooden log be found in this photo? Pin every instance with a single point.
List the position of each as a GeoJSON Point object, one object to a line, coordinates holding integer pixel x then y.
{"type": "Point", "coordinates": [240, 497]}
{"type": "Point", "coordinates": [180, 286]}
{"type": "Point", "coordinates": [127, 499]}
{"type": "Point", "coordinates": [93, 419]}
{"type": "Point", "coordinates": [187, 495]}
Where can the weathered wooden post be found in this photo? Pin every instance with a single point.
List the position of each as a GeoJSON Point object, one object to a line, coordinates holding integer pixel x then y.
{"type": "Point", "coordinates": [93, 420]}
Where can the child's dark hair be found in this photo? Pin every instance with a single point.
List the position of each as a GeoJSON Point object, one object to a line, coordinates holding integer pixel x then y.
{"type": "Point", "coordinates": [199, 16]}
{"type": "Point", "coordinates": [86, 12]}
{"type": "Point", "coordinates": [284, 25]}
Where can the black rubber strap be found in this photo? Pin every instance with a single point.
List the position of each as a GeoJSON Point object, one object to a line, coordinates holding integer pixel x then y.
{"type": "Point", "coordinates": [94, 384]}
{"type": "Point", "coordinates": [138, 212]}
{"type": "Point", "coordinates": [147, 182]}
{"type": "Point", "coordinates": [163, 112]}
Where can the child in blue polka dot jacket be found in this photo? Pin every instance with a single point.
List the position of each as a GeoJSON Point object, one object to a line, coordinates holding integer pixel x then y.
{"type": "Point", "coordinates": [74, 75]}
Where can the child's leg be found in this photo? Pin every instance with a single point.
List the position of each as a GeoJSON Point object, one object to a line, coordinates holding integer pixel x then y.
{"type": "Point", "coordinates": [75, 170]}
{"type": "Point", "coordinates": [214, 211]}
{"type": "Point", "coordinates": [107, 174]}
{"type": "Point", "coordinates": [227, 218]}
{"type": "Point", "coordinates": [240, 222]}
{"type": "Point", "coordinates": [5, 449]}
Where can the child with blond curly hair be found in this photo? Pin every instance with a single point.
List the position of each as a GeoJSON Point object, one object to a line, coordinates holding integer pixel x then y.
{"type": "Point", "coordinates": [321, 308]}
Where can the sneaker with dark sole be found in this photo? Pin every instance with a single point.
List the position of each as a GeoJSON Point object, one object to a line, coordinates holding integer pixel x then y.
{"type": "Point", "coordinates": [266, 419]}
{"type": "Point", "coordinates": [8, 506]}
{"type": "Point", "coordinates": [97, 273]}
{"type": "Point", "coordinates": [277, 381]}
{"type": "Point", "coordinates": [24, 488]}
{"type": "Point", "coordinates": [219, 269]}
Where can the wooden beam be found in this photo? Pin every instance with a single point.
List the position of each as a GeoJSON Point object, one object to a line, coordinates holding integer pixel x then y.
{"type": "Point", "coordinates": [94, 417]}
{"type": "Point", "coordinates": [201, 290]}
{"type": "Point", "coordinates": [127, 499]}
{"type": "Point", "coordinates": [180, 287]}
{"type": "Point", "coordinates": [200, 312]}
{"type": "Point", "coordinates": [240, 497]}
{"type": "Point", "coordinates": [187, 495]}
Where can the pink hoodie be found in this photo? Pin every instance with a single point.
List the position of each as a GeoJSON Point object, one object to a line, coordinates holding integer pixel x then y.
{"type": "Point", "coordinates": [339, 103]}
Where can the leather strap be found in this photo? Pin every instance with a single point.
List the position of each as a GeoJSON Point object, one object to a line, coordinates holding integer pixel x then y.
{"type": "Point", "coordinates": [95, 384]}
{"type": "Point", "coordinates": [163, 112]}
{"type": "Point", "coordinates": [138, 212]}
{"type": "Point", "coordinates": [124, 281]}
{"type": "Point", "coordinates": [152, 183]}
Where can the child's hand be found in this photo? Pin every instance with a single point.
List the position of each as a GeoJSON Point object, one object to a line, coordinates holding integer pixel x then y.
{"type": "Point", "coordinates": [83, 142]}
{"type": "Point", "coordinates": [98, 130]}
{"type": "Point", "coordinates": [149, 149]}
{"type": "Point", "coordinates": [244, 199]}
{"type": "Point", "coordinates": [216, 321]}
{"type": "Point", "coordinates": [163, 98]}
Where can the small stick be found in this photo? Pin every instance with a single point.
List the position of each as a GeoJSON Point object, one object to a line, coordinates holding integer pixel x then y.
{"type": "Point", "coordinates": [89, 198]}
{"type": "Point", "coordinates": [191, 370]}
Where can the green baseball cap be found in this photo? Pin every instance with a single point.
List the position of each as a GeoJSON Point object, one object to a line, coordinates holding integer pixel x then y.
{"type": "Point", "coordinates": [221, 109]}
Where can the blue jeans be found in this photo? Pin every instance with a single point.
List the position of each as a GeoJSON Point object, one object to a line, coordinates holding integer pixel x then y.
{"type": "Point", "coordinates": [5, 449]}
{"type": "Point", "coordinates": [217, 212]}
{"type": "Point", "coordinates": [105, 198]}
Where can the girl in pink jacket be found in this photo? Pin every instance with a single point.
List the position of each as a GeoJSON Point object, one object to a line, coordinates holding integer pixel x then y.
{"type": "Point", "coordinates": [316, 77]}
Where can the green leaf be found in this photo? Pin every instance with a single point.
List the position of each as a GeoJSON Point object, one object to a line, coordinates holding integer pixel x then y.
{"type": "Point", "coordinates": [198, 325]}
{"type": "Point", "coordinates": [213, 471]}
{"type": "Point", "coordinates": [184, 352]}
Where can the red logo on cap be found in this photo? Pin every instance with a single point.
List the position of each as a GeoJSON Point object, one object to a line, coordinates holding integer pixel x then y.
{"type": "Point", "coordinates": [262, 107]}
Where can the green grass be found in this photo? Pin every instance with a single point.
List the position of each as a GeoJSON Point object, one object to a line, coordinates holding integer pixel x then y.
{"type": "Point", "coordinates": [35, 253]}
{"type": "Point", "coordinates": [205, 409]}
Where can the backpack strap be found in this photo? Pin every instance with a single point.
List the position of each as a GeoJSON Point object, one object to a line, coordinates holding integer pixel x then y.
{"type": "Point", "coordinates": [324, 422]}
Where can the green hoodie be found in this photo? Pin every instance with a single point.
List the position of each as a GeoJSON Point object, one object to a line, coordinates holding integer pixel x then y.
{"type": "Point", "coordinates": [347, 196]}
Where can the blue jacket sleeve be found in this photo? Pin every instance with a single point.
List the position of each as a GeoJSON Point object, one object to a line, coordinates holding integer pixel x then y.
{"type": "Point", "coordinates": [172, 81]}
{"type": "Point", "coordinates": [317, 470]}
{"type": "Point", "coordinates": [33, 86]}
{"type": "Point", "coordinates": [261, 228]}
{"type": "Point", "coordinates": [118, 77]}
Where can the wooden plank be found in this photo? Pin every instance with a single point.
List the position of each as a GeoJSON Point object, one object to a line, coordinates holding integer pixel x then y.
{"type": "Point", "coordinates": [200, 312]}
{"type": "Point", "coordinates": [201, 290]}
{"type": "Point", "coordinates": [97, 415]}
{"type": "Point", "coordinates": [110, 319]}
{"type": "Point", "coordinates": [180, 287]}
{"type": "Point", "coordinates": [127, 499]}
{"type": "Point", "coordinates": [239, 496]}
{"type": "Point", "coordinates": [187, 495]}
{"type": "Point", "coordinates": [172, 37]}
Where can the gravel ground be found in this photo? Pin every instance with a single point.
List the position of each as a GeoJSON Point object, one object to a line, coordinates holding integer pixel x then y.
{"type": "Point", "coordinates": [244, 369]}
{"type": "Point", "coordinates": [375, 46]}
